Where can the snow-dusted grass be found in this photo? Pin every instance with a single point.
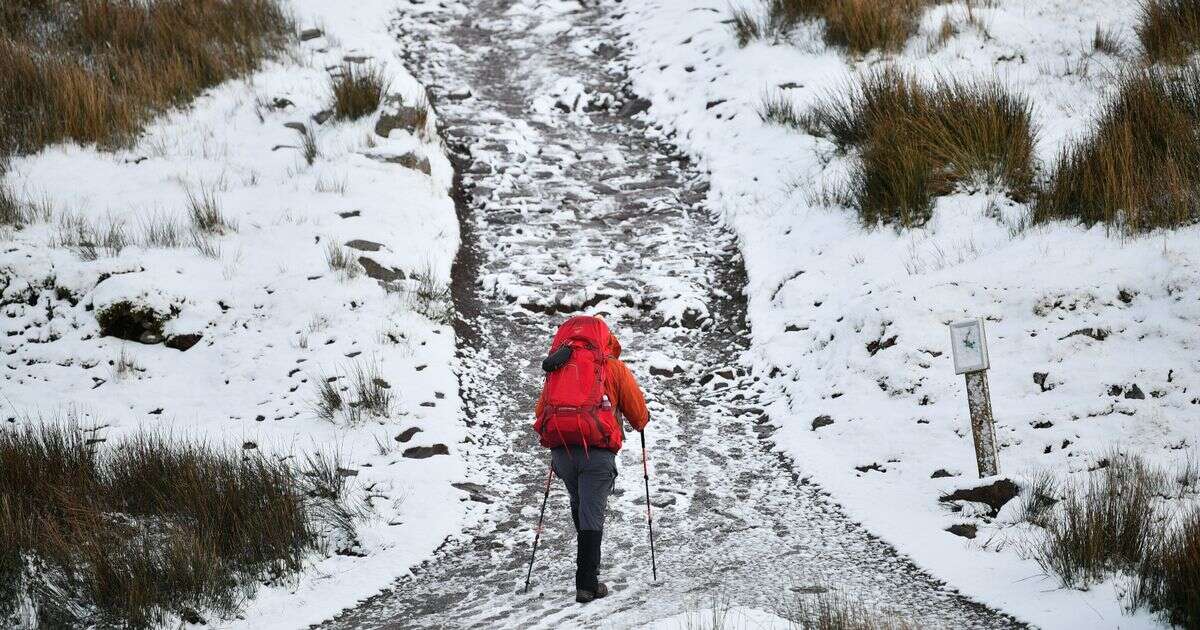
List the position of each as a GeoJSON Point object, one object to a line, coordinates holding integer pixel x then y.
{"type": "Point", "coordinates": [357, 90]}
{"type": "Point", "coordinates": [1169, 30]}
{"type": "Point", "coordinates": [849, 324]}
{"type": "Point", "coordinates": [1138, 168]}
{"type": "Point", "coordinates": [917, 142]}
{"type": "Point", "coordinates": [152, 529]}
{"type": "Point", "coordinates": [96, 70]}
{"type": "Point", "coordinates": [197, 252]}
{"type": "Point", "coordinates": [859, 26]}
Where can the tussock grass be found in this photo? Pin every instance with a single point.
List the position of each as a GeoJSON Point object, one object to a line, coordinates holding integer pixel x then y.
{"type": "Point", "coordinates": [776, 108]}
{"type": "Point", "coordinates": [137, 533]}
{"type": "Point", "coordinates": [1107, 41]}
{"type": "Point", "coordinates": [1169, 581]}
{"type": "Point", "coordinates": [916, 142]}
{"type": "Point", "coordinates": [859, 26]}
{"type": "Point", "coordinates": [1139, 167]}
{"type": "Point", "coordinates": [351, 393]}
{"type": "Point", "coordinates": [1106, 524]}
{"type": "Point", "coordinates": [832, 609]}
{"type": "Point", "coordinates": [18, 212]}
{"type": "Point", "coordinates": [341, 260]}
{"type": "Point", "coordinates": [1120, 521]}
{"type": "Point", "coordinates": [205, 211]}
{"type": "Point", "coordinates": [93, 71]}
{"type": "Point", "coordinates": [91, 240]}
{"type": "Point", "coordinates": [357, 90]}
{"type": "Point", "coordinates": [1169, 30]}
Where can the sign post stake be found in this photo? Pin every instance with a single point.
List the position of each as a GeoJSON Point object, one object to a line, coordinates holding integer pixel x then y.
{"type": "Point", "coordinates": [968, 340]}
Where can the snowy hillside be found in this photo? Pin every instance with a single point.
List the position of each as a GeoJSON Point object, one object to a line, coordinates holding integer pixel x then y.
{"type": "Point", "coordinates": [321, 260]}
{"type": "Point", "coordinates": [1091, 333]}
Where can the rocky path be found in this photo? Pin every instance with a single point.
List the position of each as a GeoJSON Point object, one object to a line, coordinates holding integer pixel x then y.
{"type": "Point", "coordinates": [571, 203]}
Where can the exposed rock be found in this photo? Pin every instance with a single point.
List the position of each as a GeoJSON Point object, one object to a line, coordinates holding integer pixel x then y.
{"type": "Point", "coordinates": [249, 446]}
{"type": "Point", "coordinates": [281, 103]}
{"type": "Point", "coordinates": [1135, 393]}
{"type": "Point", "coordinates": [310, 34]}
{"type": "Point", "coordinates": [356, 58]}
{"type": "Point", "coordinates": [1099, 334]}
{"type": "Point", "coordinates": [994, 494]}
{"type": "Point", "coordinates": [423, 452]}
{"type": "Point", "coordinates": [350, 214]}
{"type": "Point", "coordinates": [322, 116]}
{"type": "Point", "coordinates": [408, 434]}
{"type": "Point", "coordinates": [298, 127]}
{"type": "Point", "coordinates": [1040, 379]}
{"type": "Point", "coordinates": [411, 160]}
{"type": "Point", "coordinates": [378, 271]}
{"type": "Point", "coordinates": [940, 473]}
{"type": "Point", "coordinates": [397, 115]}
{"type": "Point", "coordinates": [881, 344]}
{"type": "Point", "coordinates": [966, 530]}
{"type": "Point", "coordinates": [821, 421]}
{"type": "Point", "coordinates": [634, 107]}
{"type": "Point", "coordinates": [184, 342]}
{"type": "Point", "coordinates": [366, 246]}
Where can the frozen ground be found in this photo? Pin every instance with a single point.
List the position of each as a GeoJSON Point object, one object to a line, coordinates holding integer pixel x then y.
{"type": "Point", "coordinates": [272, 317]}
{"type": "Point", "coordinates": [850, 325]}
{"type": "Point", "coordinates": [574, 204]}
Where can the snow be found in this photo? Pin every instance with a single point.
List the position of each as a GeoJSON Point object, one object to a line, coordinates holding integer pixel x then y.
{"type": "Point", "coordinates": [722, 618]}
{"type": "Point", "coordinates": [274, 318]}
{"type": "Point", "coordinates": [821, 288]}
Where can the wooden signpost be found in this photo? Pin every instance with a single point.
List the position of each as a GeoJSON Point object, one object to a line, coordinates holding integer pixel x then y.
{"type": "Point", "coordinates": [968, 342]}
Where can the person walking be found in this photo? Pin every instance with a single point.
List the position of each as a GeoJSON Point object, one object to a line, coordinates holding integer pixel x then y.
{"type": "Point", "coordinates": [587, 386]}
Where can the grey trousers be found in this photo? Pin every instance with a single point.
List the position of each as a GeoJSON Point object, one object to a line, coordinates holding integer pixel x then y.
{"type": "Point", "coordinates": [589, 480]}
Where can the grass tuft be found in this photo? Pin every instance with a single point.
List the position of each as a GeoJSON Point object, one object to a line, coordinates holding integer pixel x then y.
{"type": "Point", "coordinates": [147, 530]}
{"type": "Point", "coordinates": [357, 90]}
{"type": "Point", "coordinates": [93, 71]}
{"type": "Point", "coordinates": [1169, 30]}
{"type": "Point", "coordinates": [824, 608]}
{"type": "Point", "coordinates": [205, 211]}
{"type": "Point", "coordinates": [1139, 168]}
{"type": "Point", "coordinates": [859, 26]}
{"type": "Point", "coordinates": [917, 142]}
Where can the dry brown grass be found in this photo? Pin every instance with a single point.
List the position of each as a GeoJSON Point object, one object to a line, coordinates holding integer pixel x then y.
{"type": "Point", "coordinates": [357, 90]}
{"type": "Point", "coordinates": [1169, 30]}
{"type": "Point", "coordinates": [917, 142]}
{"type": "Point", "coordinates": [133, 534]}
{"type": "Point", "coordinates": [1139, 168]}
{"type": "Point", "coordinates": [859, 26]}
{"type": "Point", "coordinates": [93, 71]}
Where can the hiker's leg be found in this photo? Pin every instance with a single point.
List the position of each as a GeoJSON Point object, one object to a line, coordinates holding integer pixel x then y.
{"type": "Point", "coordinates": [565, 464]}
{"type": "Point", "coordinates": [596, 478]}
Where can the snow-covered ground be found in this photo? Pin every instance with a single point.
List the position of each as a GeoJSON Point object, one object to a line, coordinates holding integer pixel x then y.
{"type": "Point", "coordinates": [822, 289]}
{"type": "Point", "coordinates": [273, 317]}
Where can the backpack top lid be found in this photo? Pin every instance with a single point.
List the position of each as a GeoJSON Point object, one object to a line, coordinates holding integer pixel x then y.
{"type": "Point", "coordinates": [585, 327]}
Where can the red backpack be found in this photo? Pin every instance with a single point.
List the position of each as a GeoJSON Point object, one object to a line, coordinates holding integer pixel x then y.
{"type": "Point", "coordinates": [576, 410]}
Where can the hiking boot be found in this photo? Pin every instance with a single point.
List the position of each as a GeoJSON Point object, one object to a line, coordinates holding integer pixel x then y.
{"type": "Point", "coordinates": [584, 597]}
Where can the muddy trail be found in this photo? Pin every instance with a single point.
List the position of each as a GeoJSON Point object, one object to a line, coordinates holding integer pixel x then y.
{"type": "Point", "coordinates": [570, 202]}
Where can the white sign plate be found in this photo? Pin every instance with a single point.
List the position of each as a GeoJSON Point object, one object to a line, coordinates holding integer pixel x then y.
{"type": "Point", "coordinates": [968, 343]}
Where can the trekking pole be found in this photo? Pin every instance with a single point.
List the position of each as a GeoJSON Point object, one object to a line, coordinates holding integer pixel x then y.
{"type": "Point", "coordinates": [538, 535]}
{"type": "Point", "coordinates": [649, 517]}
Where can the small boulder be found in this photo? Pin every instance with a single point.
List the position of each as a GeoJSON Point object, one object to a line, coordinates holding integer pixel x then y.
{"type": "Point", "coordinates": [1135, 393]}
{"type": "Point", "coordinates": [966, 530]}
{"type": "Point", "coordinates": [310, 34]}
{"type": "Point", "coordinates": [366, 246]}
{"type": "Point", "coordinates": [940, 473]}
{"type": "Point", "coordinates": [821, 421]}
{"type": "Point", "coordinates": [994, 494]}
{"type": "Point", "coordinates": [397, 115]}
{"type": "Point", "coordinates": [412, 161]}
{"type": "Point", "coordinates": [634, 107]}
{"type": "Point", "coordinates": [408, 434]}
{"type": "Point", "coordinates": [184, 342]}
{"type": "Point", "coordinates": [424, 452]}
{"type": "Point", "coordinates": [378, 271]}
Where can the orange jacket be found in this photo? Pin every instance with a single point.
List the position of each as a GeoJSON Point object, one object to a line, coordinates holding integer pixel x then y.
{"type": "Point", "coordinates": [621, 387]}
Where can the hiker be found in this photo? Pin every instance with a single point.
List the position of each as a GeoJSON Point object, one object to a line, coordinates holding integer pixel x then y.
{"type": "Point", "coordinates": [576, 418]}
